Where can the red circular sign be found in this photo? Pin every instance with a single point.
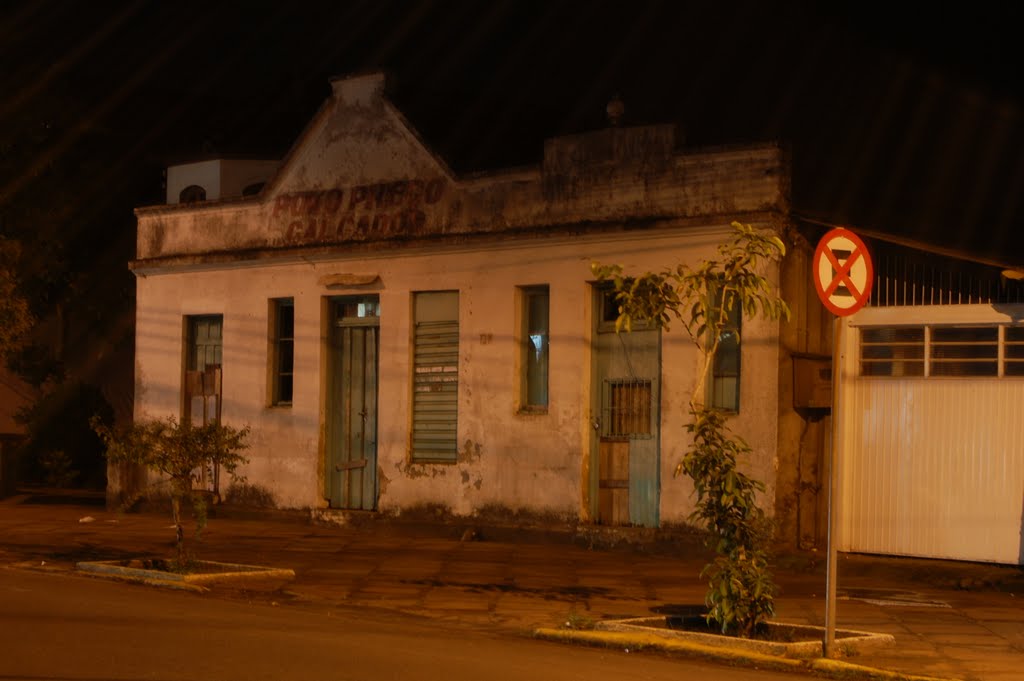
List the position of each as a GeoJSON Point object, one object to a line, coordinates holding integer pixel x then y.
{"type": "Point", "coordinates": [842, 272]}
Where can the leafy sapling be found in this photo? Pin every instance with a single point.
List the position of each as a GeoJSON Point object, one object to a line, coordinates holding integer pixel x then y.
{"type": "Point", "coordinates": [741, 591]}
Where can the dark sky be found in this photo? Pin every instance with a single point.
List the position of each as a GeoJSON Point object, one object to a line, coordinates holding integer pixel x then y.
{"type": "Point", "coordinates": [901, 119]}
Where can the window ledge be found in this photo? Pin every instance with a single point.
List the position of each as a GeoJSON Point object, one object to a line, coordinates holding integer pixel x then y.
{"type": "Point", "coordinates": [531, 411]}
{"type": "Point", "coordinates": [429, 461]}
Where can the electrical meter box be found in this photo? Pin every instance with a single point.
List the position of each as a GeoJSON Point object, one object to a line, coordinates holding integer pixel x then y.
{"type": "Point", "coordinates": [812, 382]}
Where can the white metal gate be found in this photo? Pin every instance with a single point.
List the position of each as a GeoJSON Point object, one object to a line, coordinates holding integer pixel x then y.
{"type": "Point", "coordinates": [932, 465]}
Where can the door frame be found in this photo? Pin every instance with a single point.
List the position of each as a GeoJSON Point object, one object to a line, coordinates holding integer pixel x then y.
{"type": "Point", "coordinates": [332, 361]}
{"type": "Point", "coordinates": [600, 326]}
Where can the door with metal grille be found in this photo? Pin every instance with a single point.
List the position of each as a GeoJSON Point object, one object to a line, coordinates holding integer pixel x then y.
{"type": "Point", "coordinates": [351, 460]}
{"type": "Point", "coordinates": [625, 488]}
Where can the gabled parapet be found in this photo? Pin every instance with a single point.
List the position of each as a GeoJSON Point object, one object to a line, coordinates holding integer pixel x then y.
{"type": "Point", "coordinates": [360, 174]}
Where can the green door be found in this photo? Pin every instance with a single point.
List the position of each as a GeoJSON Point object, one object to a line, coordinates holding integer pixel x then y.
{"type": "Point", "coordinates": [626, 442]}
{"type": "Point", "coordinates": [351, 463]}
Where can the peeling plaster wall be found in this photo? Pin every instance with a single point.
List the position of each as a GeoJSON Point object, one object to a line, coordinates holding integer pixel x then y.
{"type": "Point", "coordinates": [361, 199]}
{"type": "Point", "coordinates": [731, 182]}
{"type": "Point", "coordinates": [517, 461]}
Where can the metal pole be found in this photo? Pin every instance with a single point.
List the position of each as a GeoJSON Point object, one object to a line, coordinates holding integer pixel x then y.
{"type": "Point", "coordinates": [830, 573]}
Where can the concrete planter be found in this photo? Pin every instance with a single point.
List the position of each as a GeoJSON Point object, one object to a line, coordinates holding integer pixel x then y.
{"type": "Point", "coordinates": [801, 641]}
{"type": "Point", "coordinates": [203, 575]}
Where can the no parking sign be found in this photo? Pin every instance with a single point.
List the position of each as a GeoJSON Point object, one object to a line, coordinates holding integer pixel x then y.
{"type": "Point", "coordinates": [843, 272]}
{"type": "Point", "coordinates": [843, 275]}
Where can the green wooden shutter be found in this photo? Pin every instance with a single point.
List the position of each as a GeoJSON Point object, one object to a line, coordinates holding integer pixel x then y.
{"type": "Point", "coordinates": [435, 377]}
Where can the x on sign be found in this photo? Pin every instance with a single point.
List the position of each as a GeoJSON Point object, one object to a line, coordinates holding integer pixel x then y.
{"type": "Point", "coordinates": [843, 273]}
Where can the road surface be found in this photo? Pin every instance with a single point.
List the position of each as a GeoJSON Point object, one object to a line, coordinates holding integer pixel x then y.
{"type": "Point", "coordinates": [60, 627]}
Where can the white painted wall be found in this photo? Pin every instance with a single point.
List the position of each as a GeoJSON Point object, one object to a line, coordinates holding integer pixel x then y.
{"type": "Point", "coordinates": [931, 467]}
{"type": "Point", "coordinates": [221, 178]}
{"type": "Point", "coordinates": [515, 461]}
{"type": "Point", "coordinates": [206, 174]}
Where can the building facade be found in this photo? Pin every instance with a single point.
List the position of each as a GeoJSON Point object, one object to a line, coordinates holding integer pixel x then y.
{"type": "Point", "coordinates": [399, 337]}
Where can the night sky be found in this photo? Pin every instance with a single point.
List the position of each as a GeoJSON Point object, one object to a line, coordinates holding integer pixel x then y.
{"type": "Point", "coordinates": [903, 120]}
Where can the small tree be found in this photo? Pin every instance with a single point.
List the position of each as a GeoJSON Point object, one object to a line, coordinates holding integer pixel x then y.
{"type": "Point", "coordinates": [178, 452]}
{"type": "Point", "coordinates": [740, 590]}
{"type": "Point", "coordinates": [15, 316]}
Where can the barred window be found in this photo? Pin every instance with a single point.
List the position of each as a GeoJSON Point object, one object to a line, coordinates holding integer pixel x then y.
{"type": "Point", "coordinates": [892, 351]}
{"type": "Point", "coordinates": [964, 351]}
{"type": "Point", "coordinates": [942, 351]}
{"type": "Point", "coordinates": [627, 408]}
{"type": "Point", "coordinates": [1013, 351]}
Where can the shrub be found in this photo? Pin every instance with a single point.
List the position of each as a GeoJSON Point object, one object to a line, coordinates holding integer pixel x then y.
{"type": "Point", "coordinates": [178, 452]}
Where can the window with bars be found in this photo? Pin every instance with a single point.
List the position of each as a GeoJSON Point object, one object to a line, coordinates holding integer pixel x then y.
{"type": "Point", "coordinates": [627, 408]}
{"type": "Point", "coordinates": [991, 350]}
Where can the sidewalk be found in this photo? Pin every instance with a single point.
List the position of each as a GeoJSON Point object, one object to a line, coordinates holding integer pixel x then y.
{"type": "Point", "coordinates": [950, 620]}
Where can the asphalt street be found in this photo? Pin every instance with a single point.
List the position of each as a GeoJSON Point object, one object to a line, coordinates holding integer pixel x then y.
{"type": "Point", "coordinates": [62, 627]}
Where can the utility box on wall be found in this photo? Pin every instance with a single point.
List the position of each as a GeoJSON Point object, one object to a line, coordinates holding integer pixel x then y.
{"type": "Point", "coordinates": [812, 382]}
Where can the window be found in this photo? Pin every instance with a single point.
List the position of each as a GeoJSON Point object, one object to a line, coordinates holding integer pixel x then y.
{"type": "Point", "coordinates": [435, 376]}
{"type": "Point", "coordinates": [724, 383]}
{"type": "Point", "coordinates": [282, 350]}
{"type": "Point", "coordinates": [192, 194]}
{"type": "Point", "coordinates": [942, 351]}
{"type": "Point", "coordinates": [627, 408]}
{"type": "Point", "coordinates": [964, 351]}
{"type": "Point", "coordinates": [206, 341]}
{"type": "Point", "coordinates": [253, 189]}
{"type": "Point", "coordinates": [1013, 351]}
{"type": "Point", "coordinates": [535, 301]}
{"type": "Point", "coordinates": [892, 351]}
{"type": "Point", "coordinates": [203, 372]}
{"type": "Point", "coordinates": [609, 313]}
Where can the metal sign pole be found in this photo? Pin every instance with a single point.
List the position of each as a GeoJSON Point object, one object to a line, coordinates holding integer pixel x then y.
{"type": "Point", "coordinates": [843, 275]}
{"type": "Point", "coordinates": [830, 572]}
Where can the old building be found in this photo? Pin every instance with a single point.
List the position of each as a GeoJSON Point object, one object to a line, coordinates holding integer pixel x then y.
{"type": "Point", "coordinates": [398, 336]}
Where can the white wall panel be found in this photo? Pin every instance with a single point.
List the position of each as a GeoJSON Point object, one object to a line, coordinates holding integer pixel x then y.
{"type": "Point", "coordinates": [932, 466]}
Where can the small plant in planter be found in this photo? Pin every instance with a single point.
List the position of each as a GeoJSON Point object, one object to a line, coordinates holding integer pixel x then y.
{"type": "Point", "coordinates": [741, 591]}
{"type": "Point", "coordinates": [178, 452]}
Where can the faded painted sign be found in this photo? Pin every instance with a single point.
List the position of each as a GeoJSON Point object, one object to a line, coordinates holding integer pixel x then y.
{"type": "Point", "coordinates": [357, 213]}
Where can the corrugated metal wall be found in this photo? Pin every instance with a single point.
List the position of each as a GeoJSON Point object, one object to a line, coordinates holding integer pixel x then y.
{"type": "Point", "coordinates": [931, 466]}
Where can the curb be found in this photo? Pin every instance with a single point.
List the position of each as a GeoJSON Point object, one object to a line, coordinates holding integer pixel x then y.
{"type": "Point", "coordinates": [821, 666]}
{"type": "Point", "coordinates": [806, 642]}
{"type": "Point", "coordinates": [230, 574]}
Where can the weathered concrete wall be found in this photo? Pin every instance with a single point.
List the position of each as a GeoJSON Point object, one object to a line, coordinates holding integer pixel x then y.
{"type": "Point", "coordinates": [507, 459]}
{"type": "Point", "coordinates": [411, 206]}
{"type": "Point", "coordinates": [359, 174]}
{"type": "Point", "coordinates": [801, 497]}
{"type": "Point", "coordinates": [361, 198]}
